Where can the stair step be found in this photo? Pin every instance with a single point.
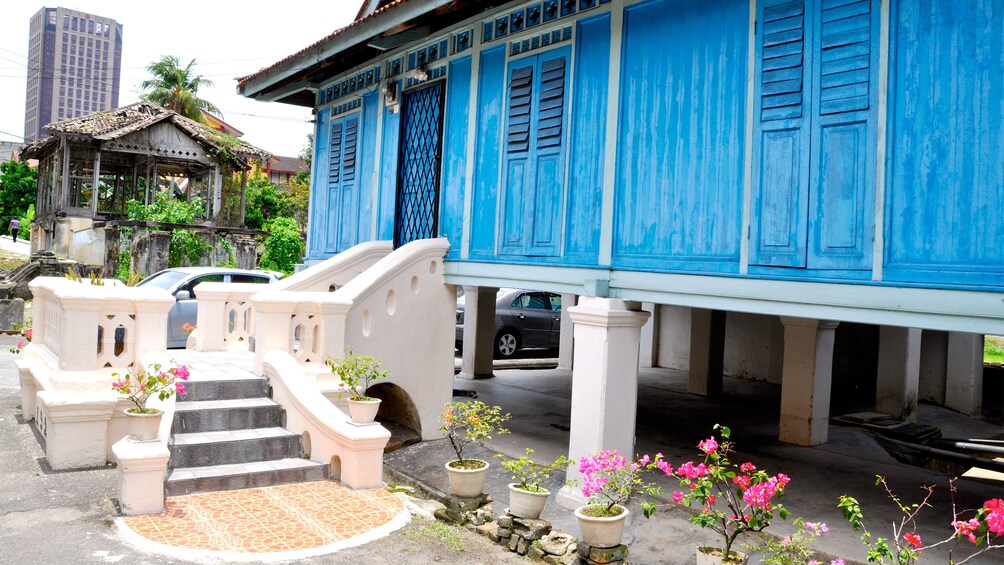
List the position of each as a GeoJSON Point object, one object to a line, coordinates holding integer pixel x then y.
{"type": "Point", "coordinates": [188, 480]}
{"type": "Point", "coordinates": [221, 415]}
{"type": "Point", "coordinates": [233, 446]}
{"type": "Point", "coordinates": [224, 389]}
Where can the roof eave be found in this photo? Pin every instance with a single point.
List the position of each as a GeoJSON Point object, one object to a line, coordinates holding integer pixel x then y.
{"type": "Point", "coordinates": [356, 34]}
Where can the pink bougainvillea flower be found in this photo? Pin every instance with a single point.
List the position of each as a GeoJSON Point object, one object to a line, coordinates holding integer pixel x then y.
{"type": "Point", "coordinates": [20, 344]}
{"type": "Point", "coordinates": [913, 539]}
{"type": "Point", "coordinates": [708, 446]}
{"type": "Point", "coordinates": [180, 388]}
{"type": "Point", "coordinates": [837, 561]}
{"type": "Point", "coordinates": [181, 371]}
{"type": "Point", "coordinates": [967, 528]}
{"type": "Point", "coordinates": [994, 514]}
{"type": "Point", "coordinates": [678, 497]}
{"type": "Point", "coordinates": [665, 467]}
{"type": "Point", "coordinates": [747, 467]}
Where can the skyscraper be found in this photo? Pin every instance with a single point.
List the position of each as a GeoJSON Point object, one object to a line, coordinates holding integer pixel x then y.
{"type": "Point", "coordinates": [74, 62]}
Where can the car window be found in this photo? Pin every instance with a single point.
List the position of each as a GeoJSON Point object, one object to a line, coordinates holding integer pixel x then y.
{"type": "Point", "coordinates": [533, 301]}
{"type": "Point", "coordinates": [190, 286]}
{"type": "Point", "coordinates": [163, 279]}
{"type": "Point", "coordinates": [555, 301]}
{"type": "Point", "coordinates": [250, 279]}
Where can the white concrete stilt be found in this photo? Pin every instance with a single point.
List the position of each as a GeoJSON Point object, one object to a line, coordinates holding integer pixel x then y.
{"type": "Point", "coordinates": [648, 355]}
{"type": "Point", "coordinates": [604, 381]}
{"type": "Point", "coordinates": [565, 357]}
{"type": "Point", "coordinates": [933, 361]}
{"type": "Point", "coordinates": [805, 380]}
{"type": "Point", "coordinates": [479, 332]}
{"type": "Point", "coordinates": [707, 351]}
{"type": "Point", "coordinates": [898, 376]}
{"type": "Point", "coordinates": [964, 382]}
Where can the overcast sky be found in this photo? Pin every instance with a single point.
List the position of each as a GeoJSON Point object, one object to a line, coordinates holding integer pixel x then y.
{"type": "Point", "coordinates": [227, 38]}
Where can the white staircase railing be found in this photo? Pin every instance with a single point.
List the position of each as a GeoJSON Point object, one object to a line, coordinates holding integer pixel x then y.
{"type": "Point", "coordinates": [400, 310]}
{"type": "Point", "coordinates": [224, 314]}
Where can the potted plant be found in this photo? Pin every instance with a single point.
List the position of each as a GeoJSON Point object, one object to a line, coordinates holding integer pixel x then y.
{"type": "Point", "coordinates": [464, 423]}
{"type": "Point", "coordinates": [138, 388]}
{"type": "Point", "coordinates": [608, 480]}
{"type": "Point", "coordinates": [526, 496]}
{"type": "Point", "coordinates": [734, 499]}
{"type": "Point", "coordinates": [356, 372]}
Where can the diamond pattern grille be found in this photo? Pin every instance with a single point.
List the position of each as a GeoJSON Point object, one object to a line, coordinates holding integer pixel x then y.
{"type": "Point", "coordinates": [418, 172]}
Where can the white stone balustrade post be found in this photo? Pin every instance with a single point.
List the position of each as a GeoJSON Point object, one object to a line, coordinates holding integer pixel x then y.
{"type": "Point", "coordinates": [152, 307]}
{"type": "Point", "coordinates": [273, 329]}
{"type": "Point", "coordinates": [78, 333]}
{"type": "Point", "coordinates": [211, 318]}
{"type": "Point", "coordinates": [332, 334]}
{"type": "Point", "coordinates": [141, 469]}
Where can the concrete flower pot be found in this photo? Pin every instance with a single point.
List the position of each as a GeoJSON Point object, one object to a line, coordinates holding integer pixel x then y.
{"type": "Point", "coordinates": [143, 427]}
{"type": "Point", "coordinates": [364, 411]}
{"type": "Point", "coordinates": [467, 483]}
{"type": "Point", "coordinates": [601, 531]}
{"type": "Point", "coordinates": [525, 503]}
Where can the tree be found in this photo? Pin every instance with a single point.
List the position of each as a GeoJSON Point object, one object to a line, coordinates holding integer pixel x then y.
{"type": "Point", "coordinates": [177, 88]}
{"type": "Point", "coordinates": [307, 153]}
{"type": "Point", "coordinates": [265, 201]}
{"type": "Point", "coordinates": [18, 183]}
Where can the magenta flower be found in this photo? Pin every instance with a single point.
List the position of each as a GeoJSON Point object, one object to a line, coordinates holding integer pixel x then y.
{"type": "Point", "coordinates": [708, 446]}
{"type": "Point", "coordinates": [678, 497]}
{"type": "Point", "coordinates": [747, 467]}
{"type": "Point", "coordinates": [913, 539]}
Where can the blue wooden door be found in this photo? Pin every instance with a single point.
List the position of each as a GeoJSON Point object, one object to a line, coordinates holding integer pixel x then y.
{"type": "Point", "coordinates": [417, 209]}
{"type": "Point", "coordinates": [534, 169]}
{"type": "Point", "coordinates": [341, 202]}
{"type": "Point", "coordinates": [814, 146]}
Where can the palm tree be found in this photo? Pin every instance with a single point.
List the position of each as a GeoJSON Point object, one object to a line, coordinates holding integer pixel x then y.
{"type": "Point", "coordinates": [176, 88]}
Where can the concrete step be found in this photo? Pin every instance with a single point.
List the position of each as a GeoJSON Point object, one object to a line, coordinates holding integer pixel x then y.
{"type": "Point", "coordinates": [224, 389]}
{"type": "Point", "coordinates": [188, 480]}
{"type": "Point", "coordinates": [220, 415]}
{"type": "Point", "coordinates": [233, 446]}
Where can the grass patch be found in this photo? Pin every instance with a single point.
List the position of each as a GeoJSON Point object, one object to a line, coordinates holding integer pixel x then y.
{"type": "Point", "coordinates": [436, 531]}
{"type": "Point", "coordinates": [10, 261]}
{"type": "Point", "coordinates": [993, 350]}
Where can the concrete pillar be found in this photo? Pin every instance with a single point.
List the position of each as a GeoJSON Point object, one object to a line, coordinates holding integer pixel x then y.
{"type": "Point", "coordinates": [933, 361]}
{"type": "Point", "coordinates": [805, 380]}
{"type": "Point", "coordinates": [75, 428]}
{"type": "Point", "coordinates": [604, 381]}
{"type": "Point", "coordinates": [964, 378]}
{"type": "Point", "coordinates": [141, 469]}
{"type": "Point", "coordinates": [898, 376]}
{"type": "Point", "coordinates": [567, 333]}
{"type": "Point", "coordinates": [707, 351]}
{"type": "Point", "coordinates": [112, 251]}
{"type": "Point", "coordinates": [674, 337]}
{"type": "Point", "coordinates": [648, 355]}
{"type": "Point", "coordinates": [775, 360]}
{"type": "Point", "coordinates": [245, 251]}
{"type": "Point", "coordinates": [479, 333]}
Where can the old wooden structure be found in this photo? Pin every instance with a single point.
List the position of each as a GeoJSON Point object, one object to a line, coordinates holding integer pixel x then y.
{"type": "Point", "coordinates": [90, 167]}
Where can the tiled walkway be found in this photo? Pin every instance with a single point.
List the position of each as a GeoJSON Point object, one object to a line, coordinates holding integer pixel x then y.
{"type": "Point", "coordinates": [306, 519]}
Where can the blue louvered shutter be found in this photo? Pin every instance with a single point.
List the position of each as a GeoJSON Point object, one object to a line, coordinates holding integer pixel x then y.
{"type": "Point", "coordinates": [814, 134]}
{"type": "Point", "coordinates": [534, 163]}
{"type": "Point", "coordinates": [781, 139]}
{"type": "Point", "coordinates": [341, 204]}
{"type": "Point", "coordinates": [841, 182]}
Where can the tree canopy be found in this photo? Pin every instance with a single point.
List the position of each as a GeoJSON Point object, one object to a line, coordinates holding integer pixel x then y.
{"type": "Point", "coordinates": [177, 88]}
{"type": "Point", "coordinates": [18, 182]}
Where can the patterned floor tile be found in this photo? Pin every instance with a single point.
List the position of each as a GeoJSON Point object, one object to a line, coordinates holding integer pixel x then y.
{"type": "Point", "coordinates": [270, 519]}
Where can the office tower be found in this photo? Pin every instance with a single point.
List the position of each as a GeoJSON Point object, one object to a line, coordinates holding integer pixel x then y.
{"type": "Point", "coordinates": [74, 62]}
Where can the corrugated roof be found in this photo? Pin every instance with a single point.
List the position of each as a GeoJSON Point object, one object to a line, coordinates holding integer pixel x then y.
{"type": "Point", "coordinates": [241, 81]}
{"type": "Point", "coordinates": [113, 124]}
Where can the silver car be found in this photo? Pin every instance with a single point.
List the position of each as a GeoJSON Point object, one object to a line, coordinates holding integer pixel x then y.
{"type": "Point", "coordinates": [181, 283]}
{"type": "Point", "coordinates": [523, 319]}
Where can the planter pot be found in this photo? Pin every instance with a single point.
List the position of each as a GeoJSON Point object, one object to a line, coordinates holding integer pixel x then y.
{"type": "Point", "coordinates": [714, 556]}
{"type": "Point", "coordinates": [603, 531]}
{"type": "Point", "coordinates": [143, 427]}
{"type": "Point", "coordinates": [526, 504]}
{"type": "Point", "coordinates": [363, 411]}
{"type": "Point", "coordinates": [467, 483]}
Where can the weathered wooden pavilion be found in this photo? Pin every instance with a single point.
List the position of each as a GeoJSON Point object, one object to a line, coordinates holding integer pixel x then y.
{"type": "Point", "coordinates": [91, 166]}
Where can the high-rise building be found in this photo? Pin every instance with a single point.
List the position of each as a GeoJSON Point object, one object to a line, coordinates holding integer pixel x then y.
{"type": "Point", "coordinates": [74, 62]}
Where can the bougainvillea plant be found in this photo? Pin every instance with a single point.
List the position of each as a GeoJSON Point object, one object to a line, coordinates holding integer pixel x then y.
{"type": "Point", "coordinates": [609, 479]}
{"type": "Point", "coordinates": [984, 529]}
{"type": "Point", "coordinates": [734, 499]}
{"type": "Point", "coordinates": [466, 422]}
{"type": "Point", "coordinates": [149, 382]}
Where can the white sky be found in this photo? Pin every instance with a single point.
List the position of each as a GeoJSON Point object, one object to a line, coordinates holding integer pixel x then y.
{"type": "Point", "coordinates": [227, 38]}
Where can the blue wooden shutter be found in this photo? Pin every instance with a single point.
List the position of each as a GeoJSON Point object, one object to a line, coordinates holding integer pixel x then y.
{"type": "Point", "coordinates": [781, 140]}
{"type": "Point", "coordinates": [549, 166]}
{"type": "Point", "coordinates": [519, 102]}
{"type": "Point", "coordinates": [334, 178]}
{"type": "Point", "coordinates": [349, 209]}
{"type": "Point", "coordinates": [843, 136]}
{"type": "Point", "coordinates": [534, 163]}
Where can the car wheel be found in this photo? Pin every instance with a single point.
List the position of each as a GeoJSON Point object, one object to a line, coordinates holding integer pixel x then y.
{"type": "Point", "coordinates": [506, 344]}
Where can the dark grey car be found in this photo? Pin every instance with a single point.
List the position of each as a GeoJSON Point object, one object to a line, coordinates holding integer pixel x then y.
{"type": "Point", "coordinates": [523, 319]}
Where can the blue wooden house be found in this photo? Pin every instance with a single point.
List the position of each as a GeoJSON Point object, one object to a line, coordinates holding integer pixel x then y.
{"type": "Point", "coordinates": [810, 162]}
